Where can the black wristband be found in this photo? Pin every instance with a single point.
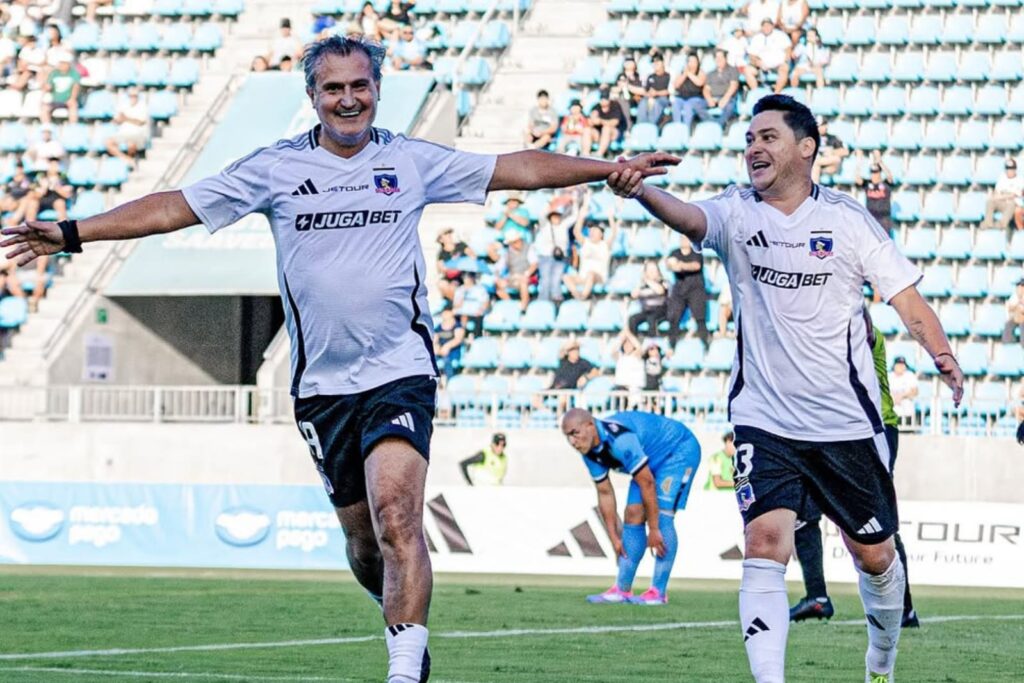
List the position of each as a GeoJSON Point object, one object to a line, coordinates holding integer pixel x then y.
{"type": "Point", "coordinates": [944, 353]}
{"type": "Point", "coordinates": [72, 242]}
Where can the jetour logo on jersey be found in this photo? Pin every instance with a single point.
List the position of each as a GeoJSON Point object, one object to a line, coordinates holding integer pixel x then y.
{"type": "Point", "coordinates": [242, 526]}
{"type": "Point", "coordinates": [336, 220]}
{"type": "Point", "coordinates": [37, 521]}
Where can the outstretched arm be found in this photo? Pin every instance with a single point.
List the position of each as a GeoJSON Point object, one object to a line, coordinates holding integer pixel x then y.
{"type": "Point", "coordinates": [680, 216]}
{"type": "Point", "coordinates": [153, 214]}
{"type": "Point", "coordinates": [533, 170]}
{"type": "Point", "coordinates": [924, 326]}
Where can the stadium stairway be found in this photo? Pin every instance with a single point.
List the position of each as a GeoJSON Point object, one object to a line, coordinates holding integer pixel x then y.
{"type": "Point", "coordinates": [73, 295]}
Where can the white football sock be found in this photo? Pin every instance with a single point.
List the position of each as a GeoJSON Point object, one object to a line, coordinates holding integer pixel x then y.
{"type": "Point", "coordinates": [406, 644]}
{"type": "Point", "coordinates": [764, 618]}
{"type": "Point", "coordinates": [882, 596]}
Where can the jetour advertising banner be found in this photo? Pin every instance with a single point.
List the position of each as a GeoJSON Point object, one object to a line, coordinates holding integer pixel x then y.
{"type": "Point", "coordinates": [511, 530]}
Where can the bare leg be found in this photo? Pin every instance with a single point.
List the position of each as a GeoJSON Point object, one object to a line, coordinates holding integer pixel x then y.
{"type": "Point", "coordinates": [361, 547]}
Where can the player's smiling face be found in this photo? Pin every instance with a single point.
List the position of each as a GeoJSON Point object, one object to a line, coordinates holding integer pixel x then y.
{"type": "Point", "coordinates": [345, 99]}
{"type": "Point", "coordinates": [773, 153]}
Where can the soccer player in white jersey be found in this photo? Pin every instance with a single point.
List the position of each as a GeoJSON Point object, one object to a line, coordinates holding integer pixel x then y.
{"type": "Point", "coordinates": [344, 201]}
{"type": "Point", "coordinates": [803, 394]}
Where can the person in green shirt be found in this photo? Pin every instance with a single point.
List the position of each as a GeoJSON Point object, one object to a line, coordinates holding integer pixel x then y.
{"type": "Point", "coordinates": [720, 468]}
{"type": "Point", "coordinates": [64, 85]}
{"type": "Point", "coordinates": [489, 465]}
{"type": "Point", "coordinates": [809, 551]}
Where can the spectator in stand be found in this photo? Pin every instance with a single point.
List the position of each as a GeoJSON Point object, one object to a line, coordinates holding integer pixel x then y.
{"type": "Point", "coordinates": [64, 85]}
{"type": "Point", "coordinates": [286, 44]}
{"type": "Point", "coordinates": [656, 93]}
{"type": "Point", "coordinates": [396, 16]}
{"type": "Point", "coordinates": [43, 149]}
{"type": "Point", "coordinates": [494, 264]}
{"type": "Point", "coordinates": [448, 274]}
{"type": "Point", "coordinates": [574, 129]}
{"type": "Point", "coordinates": [595, 256]}
{"type": "Point", "coordinates": [757, 11]}
{"type": "Point", "coordinates": [1015, 316]}
{"type": "Point", "coordinates": [259, 64]}
{"type": "Point", "coordinates": [573, 371]}
{"type": "Point", "coordinates": [133, 127]}
{"type": "Point", "coordinates": [322, 25]}
{"type": "Point", "coordinates": [55, 47]}
{"type": "Point", "coordinates": [607, 122]}
{"type": "Point", "coordinates": [769, 50]}
{"type": "Point", "coordinates": [542, 124]}
{"type": "Point", "coordinates": [633, 83]}
{"type": "Point", "coordinates": [688, 291]}
{"type": "Point", "coordinates": [286, 64]}
{"type": "Point", "coordinates": [622, 94]}
{"type": "Point", "coordinates": [689, 101]}
{"type": "Point", "coordinates": [408, 51]}
{"type": "Point", "coordinates": [369, 22]}
{"type": "Point", "coordinates": [448, 340]}
{"type": "Point", "coordinates": [1008, 191]}
{"type": "Point", "coordinates": [16, 195]}
{"type": "Point", "coordinates": [831, 152]}
{"type": "Point", "coordinates": [736, 49]}
{"type": "Point", "coordinates": [792, 18]}
{"type": "Point", "coordinates": [522, 269]}
{"type": "Point", "coordinates": [552, 248]}
{"type": "Point", "coordinates": [629, 364]}
{"type": "Point", "coordinates": [810, 56]}
{"type": "Point", "coordinates": [515, 217]}
{"type": "Point", "coordinates": [721, 89]}
{"type": "Point", "coordinates": [31, 69]}
{"type": "Point", "coordinates": [903, 385]}
{"type": "Point", "coordinates": [877, 190]}
{"type": "Point", "coordinates": [652, 293]}
{"type": "Point", "coordinates": [471, 302]}
{"type": "Point", "coordinates": [52, 192]}
{"type": "Point", "coordinates": [654, 367]}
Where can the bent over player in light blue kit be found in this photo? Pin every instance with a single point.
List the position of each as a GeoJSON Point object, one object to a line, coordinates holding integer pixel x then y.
{"type": "Point", "coordinates": [662, 456]}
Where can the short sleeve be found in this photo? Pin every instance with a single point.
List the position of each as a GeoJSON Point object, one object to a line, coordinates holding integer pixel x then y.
{"type": "Point", "coordinates": [717, 211]}
{"type": "Point", "coordinates": [450, 175]}
{"type": "Point", "coordinates": [883, 265]}
{"type": "Point", "coordinates": [627, 449]}
{"type": "Point", "coordinates": [240, 189]}
{"type": "Point", "coordinates": [598, 472]}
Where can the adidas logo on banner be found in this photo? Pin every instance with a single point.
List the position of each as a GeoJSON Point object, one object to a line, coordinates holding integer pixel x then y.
{"type": "Point", "coordinates": [305, 188]}
{"type": "Point", "coordinates": [872, 527]}
{"type": "Point", "coordinates": [584, 537]}
{"type": "Point", "coordinates": [404, 420]}
{"type": "Point", "coordinates": [758, 240]}
{"type": "Point", "coordinates": [756, 626]}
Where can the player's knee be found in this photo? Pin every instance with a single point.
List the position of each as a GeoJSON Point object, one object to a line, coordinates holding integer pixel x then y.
{"type": "Point", "coordinates": [875, 559]}
{"type": "Point", "coordinates": [400, 527]}
{"type": "Point", "coordinates": [362, 551]}
{"type": "Point", "coordinates": [768, 544]}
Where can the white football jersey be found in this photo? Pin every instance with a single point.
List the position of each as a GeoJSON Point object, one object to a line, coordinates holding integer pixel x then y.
{"type": "Point", "coordinates": [349, 263]}
{"type": "Point", "coordinates": [803, 368]}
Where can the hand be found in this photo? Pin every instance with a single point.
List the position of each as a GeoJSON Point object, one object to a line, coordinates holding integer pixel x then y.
{"type": "Point", "coordinates": [951, 374]}
{"type": "Point", "coordinates": [628, 182]}
{"type": "Point", "coordinates": [656, 543]}
{"type": "Point", "coordinates": [617, 546]}
{"type": "Point", "coordinates": [33, 239]}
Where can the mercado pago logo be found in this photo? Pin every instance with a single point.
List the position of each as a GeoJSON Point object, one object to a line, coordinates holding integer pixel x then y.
{"type": "Point", "coordinates": [95, 525]}
{"type": "Point", "coordinates": [305, 530]}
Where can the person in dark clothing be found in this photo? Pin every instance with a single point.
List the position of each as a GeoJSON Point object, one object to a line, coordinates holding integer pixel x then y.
{"type": "Point", "coordinates": [688, 291]}
{"type": "Point", "coordinates": [489, 465]}
{"type": "Point", "coordinates": [878, 190]}
{"type": "Point", "coordinates": [573, 371]}
{"type": "Point", "coordinates": [654, 367]}
{"type": "Point", "coordinates": [652, 295]}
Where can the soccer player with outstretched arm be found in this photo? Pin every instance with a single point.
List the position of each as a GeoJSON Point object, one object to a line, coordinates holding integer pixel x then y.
{"type": "Point", "coordinates": [803, 394]}
{"type": "Point", "coordinates": [661, 455]}
{"type": "Point", "coordinates": [344, 201]}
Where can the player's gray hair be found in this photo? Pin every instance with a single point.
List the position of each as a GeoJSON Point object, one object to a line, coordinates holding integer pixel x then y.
{"type": "Point", "coordinates": [342, 46]}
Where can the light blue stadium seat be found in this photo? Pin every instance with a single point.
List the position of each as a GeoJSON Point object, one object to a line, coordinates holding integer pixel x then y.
{"type": "Point", "coordinates": [197, 8]}
{"type": "Point", "coordinates": [595, 393]}
{"type": "Point", "coordinates": [860, 31]}
{"type": "Point", "coordinates": [876, 67]}
{"type": "Point", "coordinates": [444, 70]}
{"type": "Point", "coordinates": [989, 398]}
{"type": "Point", "coordinates": [621, 7]}
{"type": "Point", "coordinates": [938, 208]}
{"type": "Point", "coordinates": [973, 357]}
{"type": "Point", "coordinates": [611, 69]}
{"type": "Point", "coordinates": [746, 107]}
{"type": "Point", "coordinates": [163, 105]}
{"type": "Point", "coordinates": [452, 7]}
{"type": "Point", "coordinates": [720, 355]}
{"type": "Point", "coordinates": [86, 204]}
{"type": "Point", "coordinates": [674, 137]}
{"type": "Point", "coordinates": [975, 66]}
{"type": "Point", "coordinates": [990, 245]}
{"type": "Point", "coordinates": [587, 72]}
{"type": "Point", "coordinates": [496, 36]}
{"type": "Point", "coordinates": [476, 71]}
{"type": "Point", "coordinates": [988, 169]}
{"type": "Point", "coordinates": [891, 101]}
{"type": "Point", "coordinates": [1016, 105]}
{"type": "Point", "coordinates": [970, 208]}
{"type": "Point", "coordinates": [167, 8]}
{"type": "Point", "coordinates": [937, 281]}
{"type": "Point", "coordinates": [941, 135]}
{"type": "Point", "coordinates": [842, 68]}
{"type": "Point", "coordinates": [464, 31]}
{"type": "Point", "coordinates": [956, 171]}
{"type": "Point", "coordinates": [921, 244]}
{"type": "Point", "coordinates": [607, 36]}
{"type": "Point", "coordinates": [503, 317]}
{"type": "Point", "coordinates": [909, 67]}
{"type": "Point", "coordinates": [229, 9]}
{"type": "Point", "coordinates": [906, 206]}
{"type": "Point", "coordinates": [207, 38]}
{"type": "Point", "coordinates": [688, 355]}
{"type": "Point", "coordinates": [735, 139]}
{"type": "Point", "coordinates": [648, 243]}
{"type": "Point", "coordinates": [922, 170]}
{"type": "Point", "coordinates": [653, 6]}
{"type": "Point", "coordinates": [114, 38]}
{"type": "Point", "coordinates": [908, 4]}
{"type": "Point", "coordinates": [539, 317]}
{"type": "Point", "coordinates": [112, 172]}
{"type": "Point", "coordinates": [907, 135]}
{"type": "Point", "coordinates": [957, 33]}
{"type": "Point", "coordinates": [1015, 34]}
{"type": "Point", "coordinates": [515, 354]}
{"type": "Point", "coordinates": [144, 37]}
{"type": "Point", "coordinates": [894, 31]}
{"type": "Point", "coordinates": [639, 34]}
{"type": "Point", "coordinates": [974, 136]}
{"type": "Point", "coordinates": [175, 38]}
{"type": "Point", "coordinates": [689, 172]}
{"type": "Point", "coordinates": [1008, 135]}
{"type": "Point", "coordinates": [525, 388]}
{"type": "Point", "coordinates": [82, 171]}
{"type": "Point", "coordinates": [857, 101]}
{"type": "Point", "coordinates": [13, 137]}
{"type": "Point", "coordinates": [572, 315]}
{"type": "Point", "coordinates": [1007, 360]}
{"type": "Point", "coordinates": [606, 316]}
{"type": "Point", "coordinates": [184, 73]}
{"type": "Point", "coordinates": [941, 67]}
{"type": "Point", "coordinates": [470, 418]}
{"type": "Point", "coordinates": [831, 29]}
{"type": "Point", "coordinates": [702, 34]}
{"type": "Point", "coordinates": [907, 349]}
{"type": "Point", "coordinates": [13, 312]}
{"type": "Point", "coordinates": [1004, 278]}
{"type": "Point", "coordinates": [825, 101]}
{"type": "Point", "coordinates": [707, 137]}
{"type": "Point", "coordinates": [482, 354]}
{"type": "Point", "coordinates": [154, 73]}
{"type": "Point", "coordinates": [642, 137]}
{"type": "Point", "coordinates": [634, 212]}
{"type": "Point", "coordinates": [722, 171]}
{"type": "Point", "coordinates": [971, 282]}
{"type": "Point", "coordinates": [991, 29]}
{"type": "Point", "coordinates": [625, 279]}
{"type": "Point", "coordinates": [669, 34]}
{"type": "Point", "coordinates": [123, 73]}
{"type": "Point", "coordinates": [75, 137]}
{"type": "Point", "coordinates": [704, 393]}
{"type": "Point", "coordinates": [989, 320]}
{"type": "Point", "coordinates": [991, 100]}
{"type": "Point", "coordinates": [1007, 66]}
{"type": "Point", "coordinates": [100, 136]}
{"type": "Point", "coordinates": [546, 353]}
{"type": "Point", "coordinates": [886, 319]}
{"type": "Point", "coordinates": [85, 37]}
{"type": "Point", "coordinates": [872, 135]}
{"type": "Point", "coordinates": [956, 319]}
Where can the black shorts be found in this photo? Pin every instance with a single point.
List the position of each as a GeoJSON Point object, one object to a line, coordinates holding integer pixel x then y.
{"type": "Point", "coordinates": [847, 480]}
{"type": "Point", "coordinates": [342, 430]}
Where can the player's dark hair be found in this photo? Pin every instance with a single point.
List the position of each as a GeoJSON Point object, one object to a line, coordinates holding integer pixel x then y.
{"type": "Point", "coordinates": [543, 93]}
{"type": "Point", "coordinates": [796, 115]}
{"type": "Point", "coordinates": [343, 47]}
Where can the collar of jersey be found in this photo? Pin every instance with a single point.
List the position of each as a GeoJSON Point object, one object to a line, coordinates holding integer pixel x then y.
{"type": "Point", "coordinates": [807, 205]}
{"type": "Point", "coordinates": [367, 152]}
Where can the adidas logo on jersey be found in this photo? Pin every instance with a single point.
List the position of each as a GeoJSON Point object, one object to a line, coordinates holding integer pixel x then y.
{"type": "Point", "coordinates": [758, 240]}
{"type": "Point", "coordinates": [872, 527]}
{"type": "Point", "coordinates": [305, 188]}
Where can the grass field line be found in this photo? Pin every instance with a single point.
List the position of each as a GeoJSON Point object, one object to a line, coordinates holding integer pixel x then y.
{"type": "Point", "coordinates": [172, 674]}
{"type": "Point", "coordinates": [503, 633]}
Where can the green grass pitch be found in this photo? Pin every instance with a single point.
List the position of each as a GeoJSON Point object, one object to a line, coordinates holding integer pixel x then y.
{"type": "Point", "coordinates": [187, 626]}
